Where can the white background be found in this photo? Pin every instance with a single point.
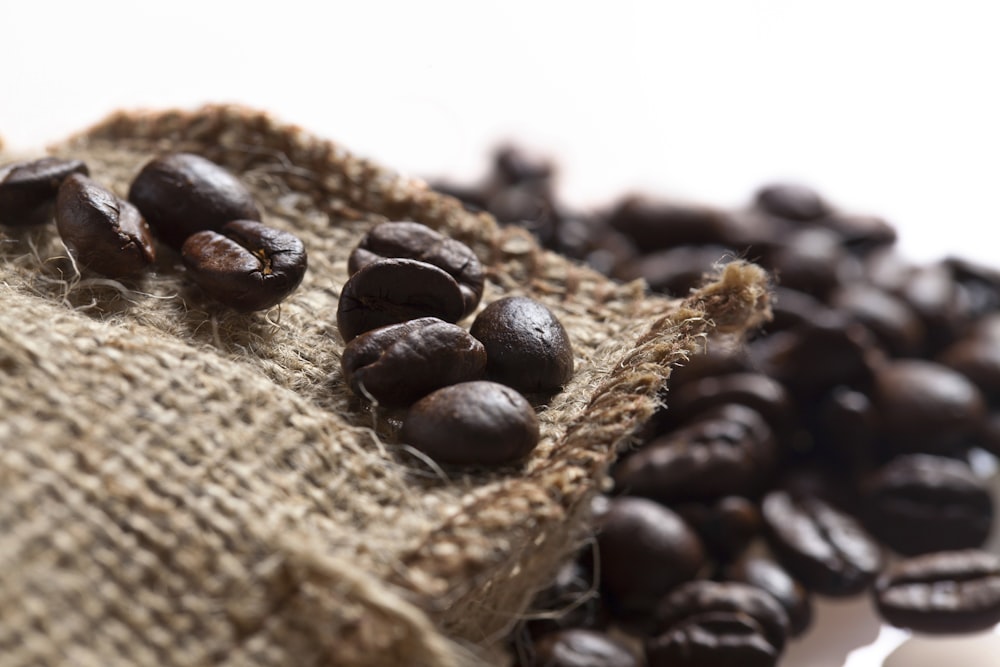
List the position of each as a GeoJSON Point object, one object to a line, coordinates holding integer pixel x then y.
{"type": "Point", "coordinates": [890, 108]}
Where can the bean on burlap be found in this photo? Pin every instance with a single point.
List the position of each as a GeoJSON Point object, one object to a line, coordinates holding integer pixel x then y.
{"type": "Point", "coordinates": [181, 484]}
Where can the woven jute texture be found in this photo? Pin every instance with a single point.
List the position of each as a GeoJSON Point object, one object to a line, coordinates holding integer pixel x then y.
{"type": "Point", "coordinates": [185, 485]}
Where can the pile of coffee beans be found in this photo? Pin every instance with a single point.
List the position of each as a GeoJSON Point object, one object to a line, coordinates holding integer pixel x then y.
{"type": "Point", "coordinates": [408, 287]}
{"type": "Point", "coordinates": [829, 454]}
{"type": "Point", "coordinates": [182, 200]}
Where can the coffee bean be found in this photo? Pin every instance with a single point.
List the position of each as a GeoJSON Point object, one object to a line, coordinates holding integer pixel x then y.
{"type": "Point", "coordinates": [102, 231]}
{"type": "Point", "coordinates": [722, 454]}
{"type": "Point", "coordinates": [978, 359]}
{"type": "Point", "coordinates": [246, 265]}
{"type": "Point", "coordinates": [526, 346]}
{"type": "Point", "coordinates": [645, 550]}
{"type": "Point", "coordinates": [809, 260]}
{"type": "Point", "coordinates": [714, 639]}
{"type": "Point", "coordinates": [938, 300]}
{"type": "Point", "coordinates": [474, 423]}
{"type": "Point", "coordinates": [657, 225]}
{"type": "Point", "coordinates": [926, 407]}
{"type": "Point", "coordinates": [767, 575]}
{"type": "Point", "coordinates": [582, 648]}
{"type": "Point", "coordinates": [678, 270]}
{"type": "Point", "coordinates": [726, 526]}
{"type": "Point", "coordinates": [846, 429]}
{"type": "Point", "coordinates": [389, 291]}
{"type": "Point", "coordinates": [570, 601]}
{"type": "Point", "coordinates": [943, 592]}
{"type": "Point", "coordinates": [825, 549]}
{"type": "Point", "coordinates": [890, 319]}
{"type": "Point", "coordinates": [860, 233]}
{"type": "Point", "coordinates": [181, 193]}
{"type": "Point", "coordinates": [398, 364]}
{"type": "Point", "coordinates": [754, 390]}
{"type": "Point", "coordinates": [28, 189]}
{"type": "Point", "coordinates": [411, 240]}
{"type": "Point", "coordinates": [704, 596]}
{"type": "Point", "coordinates": [791, 201]}
{"type": "Point", "coordinates": [919, 503]}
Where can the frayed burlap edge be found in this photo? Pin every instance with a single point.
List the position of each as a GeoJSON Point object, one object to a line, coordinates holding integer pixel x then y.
{"type": "Point", "coordinates": [471, 575]}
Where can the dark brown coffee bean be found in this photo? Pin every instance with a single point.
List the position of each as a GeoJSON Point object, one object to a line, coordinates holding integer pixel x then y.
{"type": "Point", "coordinates": [713, 639]}
{"type": "Point", "coordinates": [812, 359]}
{"type": "Point", "coordinates": [767, 575]}
{"type": "Point", "coordinates": [825, 549]}
{"type": "Point", "coordinates": [926, 407]}
{"type": "Point", "coordinates": [570, 601]}
{"type": "Point", "coordinates": [704, 596]}
{"type": "Point", "coordinates": [512, 165]}
{"type": "Point", "coordinates": [715, 359]}
{"type": "Point", "coordinates": [657, 225]}
{"type": "Point", "coordinates": [411, 240]}
{"type": "Point", "coordinates": [645, 550]}
{"type": "Point", "coordinates": [890, 319]}
{"type": "Point", "coordinates": [726, 526]}
{"type": "Point", "coordinates": [678, 270]}
{"type": "Point", "coordinates": [846, 430]}
{"type": "Point", "coordinates": [810, 261]}
{"type": "Point", "coordinates": [398, 364]}
{"type": "Point", "coordinates": [938, 300]}
{"type": "Point", "coordinates": [979, 282]}
{"type": "Point", "coordinates": [246, 265]}
{"type": "Point", "coordinates": [944, 592]}
{"type": "Point", "coordinates": [102, 231]}
{"type": "Point", "coordinates": [791, 308]}
{"type": "Point", "coordinates": [722, 454]}
{"type": "Point", "coordinates": [919, 503]}
{"type": "Point", "coordinates": [181, 193]}
{"type": "Point", "coordinates": [978, 359]}
{"type": "Point", "coordinates": [526, 346]}
{"type": "Point", "coordinates": [582, 648]}
{"type": "Point", "coordinates": [860, 233]}
{"type": "Point", "coordinates": [389, 291]}
{"type": "Point", "coordinates": [28, 189]}
{"type": "Point", "coordinates": [791, 201]}
{"type": "Point", "coordinates": [754, 390]}
{"type": "Point", "coordinates": [473, 423]}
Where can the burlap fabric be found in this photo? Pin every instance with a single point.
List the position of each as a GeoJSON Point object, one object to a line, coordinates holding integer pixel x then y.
{"type": "Point", "coordinates": [183, 485]}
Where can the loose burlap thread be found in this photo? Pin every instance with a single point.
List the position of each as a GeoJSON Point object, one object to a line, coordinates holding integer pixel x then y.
{"type": "Point", "coordinates": [185, 485]}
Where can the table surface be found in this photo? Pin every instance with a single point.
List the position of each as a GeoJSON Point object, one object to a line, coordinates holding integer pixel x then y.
{"type": "Point", "coordinates": [889, 108]}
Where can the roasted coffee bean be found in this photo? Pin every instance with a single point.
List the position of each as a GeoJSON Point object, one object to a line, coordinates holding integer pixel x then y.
{"type": "Point", "coordinates": [767, 575]}
{"type": "Point", "coordinates": [102, 231]}
{"type": "Point", "coordinates": [657, 225]}
{"type": "Point", "coordinates": [979, 282]}
{"type": "Point", "coordinates": [678, 270]}
{"type": "Point", "coordinates": [474, 423]}
{"type": "Point", "coordinates": [926, 407]}
{"type": "Point", "coordinates": [181, 193]}
{"type": "Point", "coordinates": [570, 601]}
{"type": "Point", "coordinates": [846, 430]}
{"type": "Point", "coordinates": [28, 189]}
{"type": "Point", "coordinates": [715, 359]}
{"type": "Point", "coordinates": [731, 452]}
{"type": "Point", "coordinates": [825, 549]}
{"type": "Point", "coordinates": [919, 503]}
{"type": "Point", "coordinates": [705, 596]}
{"type": "Point", "coordinates": [726, 526]}
{"type": "Point", "coordinates": [791, 201]}
{"type": "Point", "coordinates": [390, 291]}
{"type": "Point", "coordinates": [978, 359]}
{"type": "Point", "coordinates": [397, 364]}
{"type": "Point", "coordinates": [943, 592]}
{"type": "Point", "coordinates": [813, 358]}
{"type": "Point", "coordinates": [860, 233]}
{"type": "Point", "coordinates": [938, 300]}
{"type": "Point", "coordinates": [890, 319]}
{"type": "Point", "coordinates": [526, 346]}
{"type": "Point", "coordinates": [754, 390]}
{"type": "Point", "coordinates": [246, 265]}
{"type": "Point", "coordinates": [809, 260]}
{"type": "Point", "coordinates": [645, 550]}
{"type": "Point", "coordinates": [411, 240]}
{"type": "Point", "coordinates": [791, 308]}
{"type": "Point", "coordinates": [713, 639]}
{"type": "Point", "coordinates": [512, 165]}
{"type": "Point", "coordinates": [582, 648]}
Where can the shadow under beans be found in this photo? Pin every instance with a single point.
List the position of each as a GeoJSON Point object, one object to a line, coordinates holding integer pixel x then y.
{"type": "Point", "coordinates": [839, 627]}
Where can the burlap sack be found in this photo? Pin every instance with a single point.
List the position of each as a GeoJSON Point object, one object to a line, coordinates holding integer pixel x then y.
{"type": "Point", "coordinates": [183, 485]}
